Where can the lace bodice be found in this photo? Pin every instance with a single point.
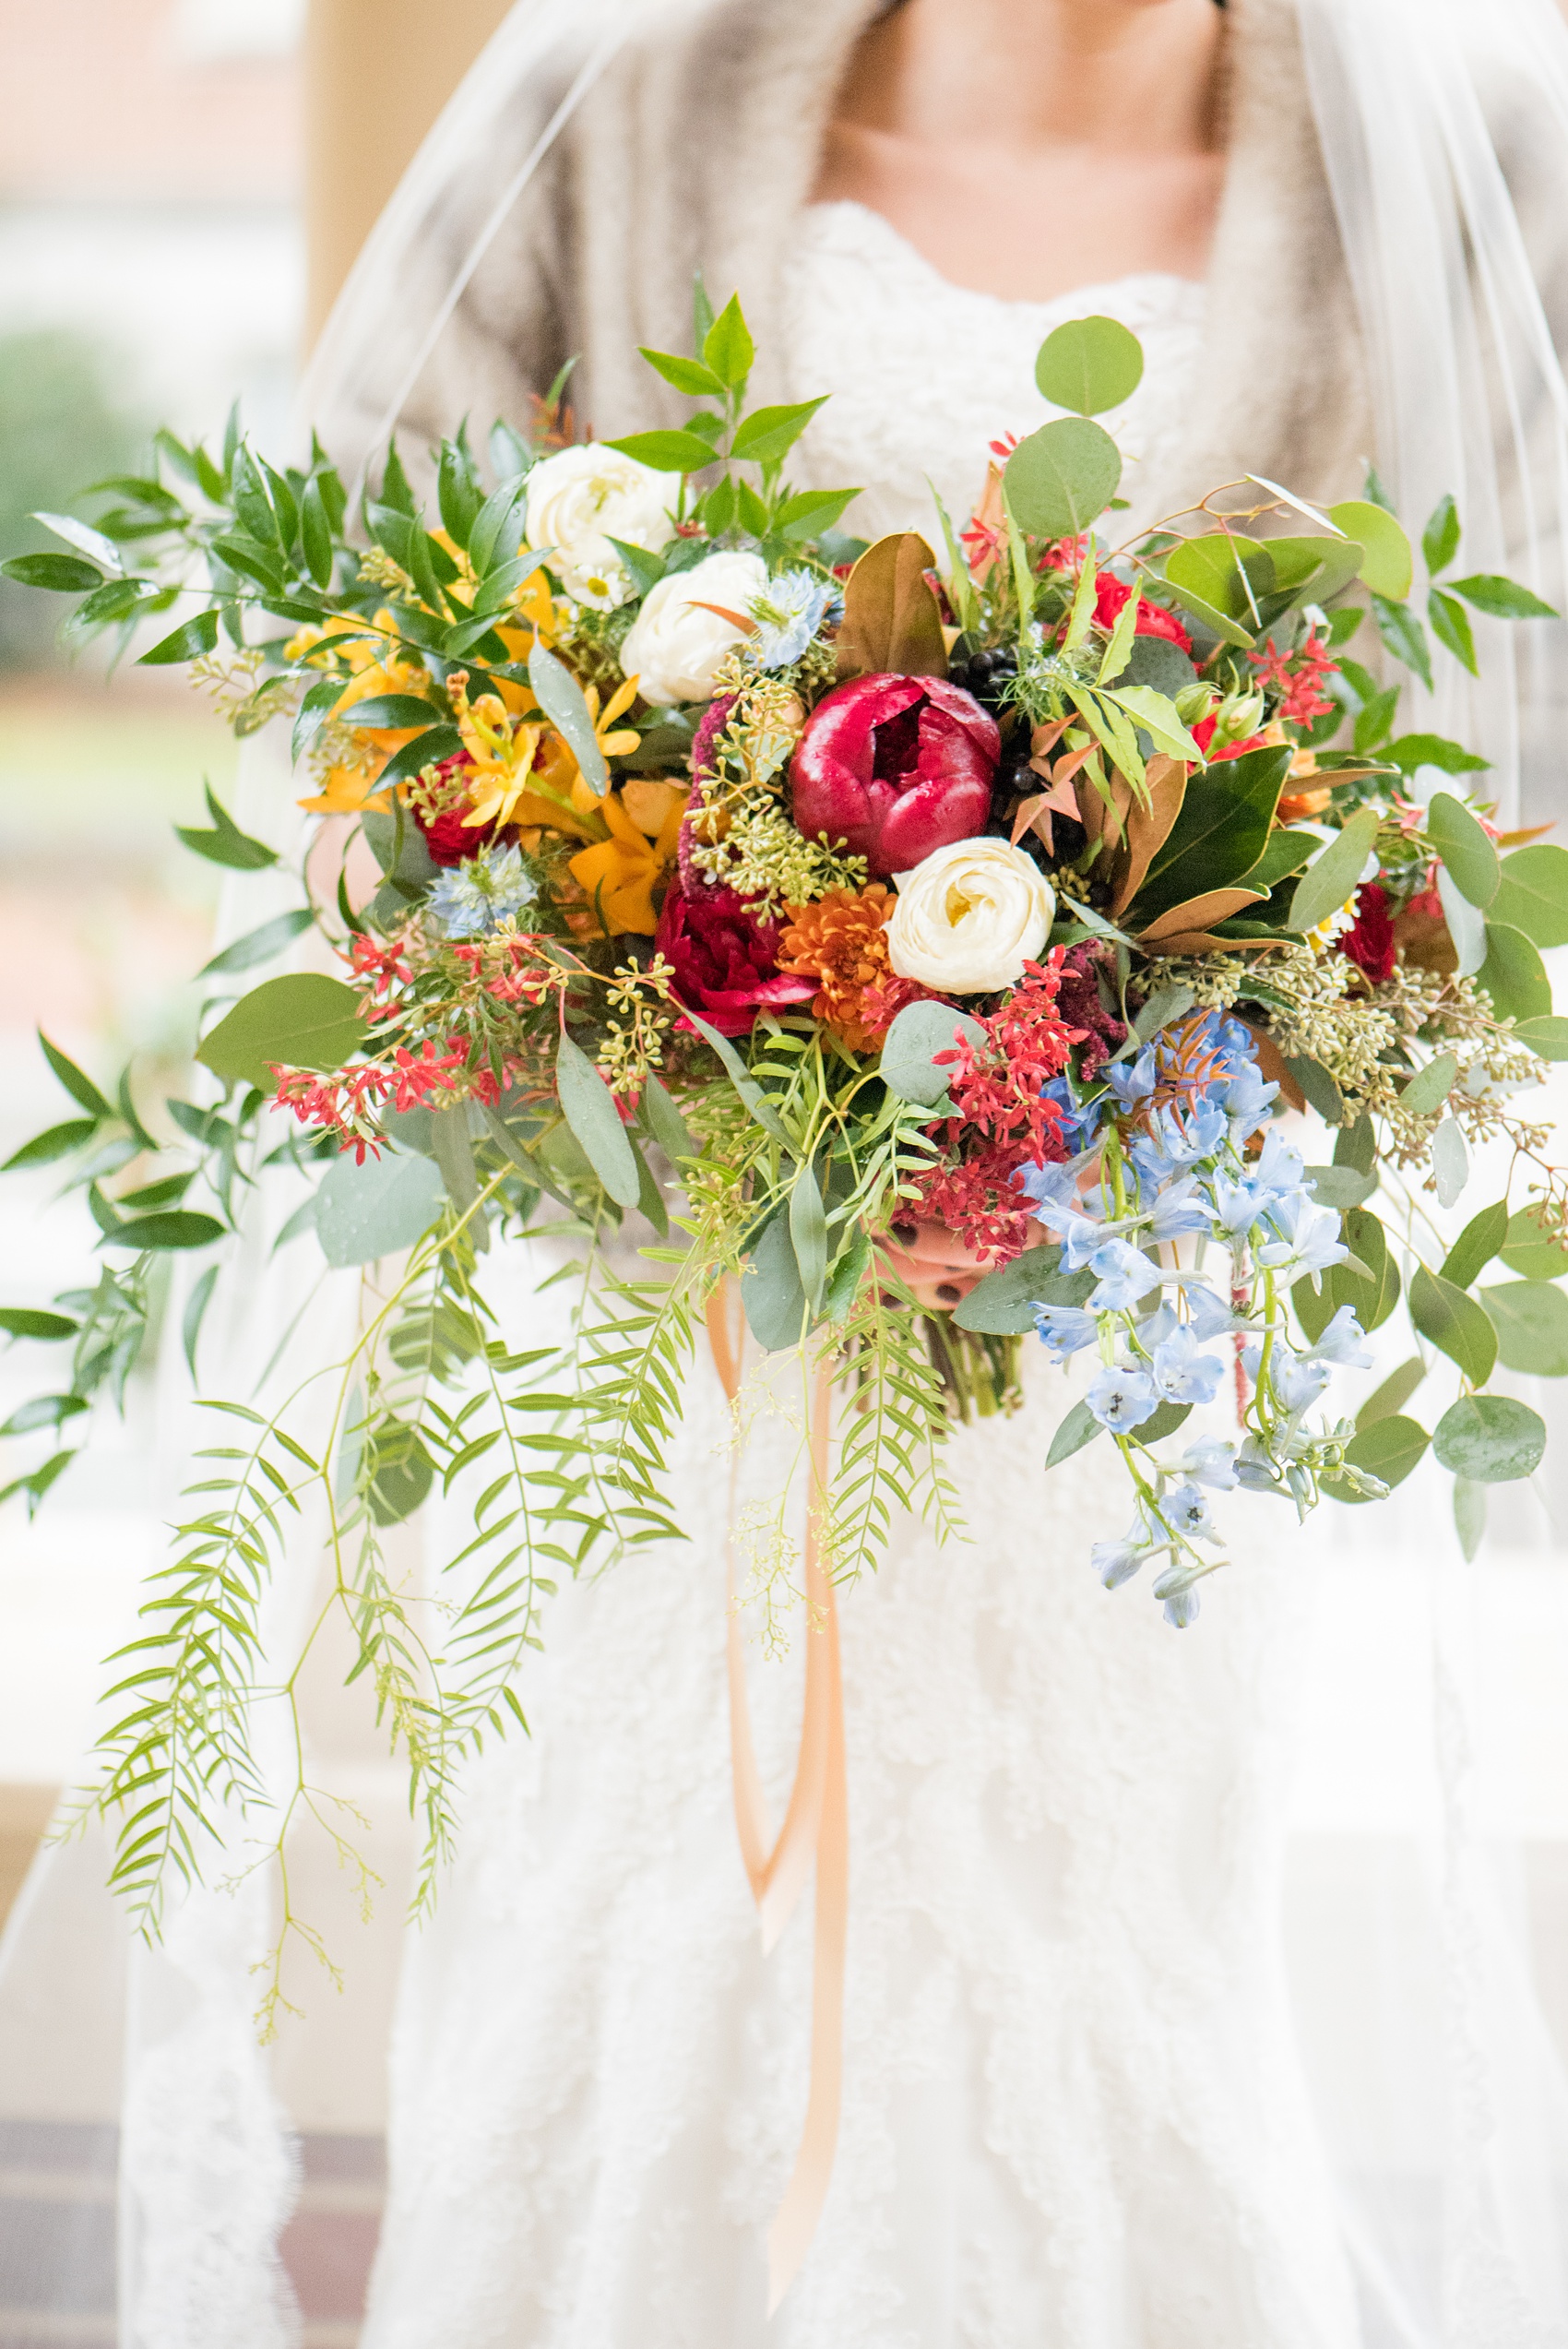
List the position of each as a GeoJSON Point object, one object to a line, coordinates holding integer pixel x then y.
{"type": "Point", "coordinates": [924, 373]}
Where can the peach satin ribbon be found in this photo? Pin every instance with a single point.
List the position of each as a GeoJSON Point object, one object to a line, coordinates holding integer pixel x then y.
{"type": "Point", "coordinates": [816, 1824]}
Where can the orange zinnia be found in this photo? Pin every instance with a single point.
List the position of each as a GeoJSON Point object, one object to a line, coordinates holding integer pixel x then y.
{"type": "Point", "coordinates": [841, 941]}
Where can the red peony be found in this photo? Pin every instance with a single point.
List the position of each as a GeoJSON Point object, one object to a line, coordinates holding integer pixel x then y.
{"type": "Point", "coordinates": [1369, 941]}
{"type": "Point", "coordinates": [725, 958]}
{"type": "Point", "coordinates": [895, 767]}
{"type": "Point", "coordinates": [1153, 620]}
{"type": "Point", "coordinates": [440, 810]}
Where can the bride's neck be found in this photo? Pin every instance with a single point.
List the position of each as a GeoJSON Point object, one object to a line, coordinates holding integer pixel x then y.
{"type": "Point", "coordinates": [1030, 147]}
{"type": "Point", "coordinates": [1040, 73]}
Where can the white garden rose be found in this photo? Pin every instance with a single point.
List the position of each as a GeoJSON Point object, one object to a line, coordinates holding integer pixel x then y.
{"type": "Point", "coordinates": [673, 646]}
{"type": "Point", "coordinates": [580, 499]}
{"type": "Point", "coordinates": [969, 916]}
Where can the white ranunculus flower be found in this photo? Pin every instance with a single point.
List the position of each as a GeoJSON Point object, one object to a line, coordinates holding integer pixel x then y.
{"type": "Point", "coordinates": [673, 646]}
{"type": "Point", "coordinates": [969, 916]}
{"type": "Point", "coordinates": [581, 498]}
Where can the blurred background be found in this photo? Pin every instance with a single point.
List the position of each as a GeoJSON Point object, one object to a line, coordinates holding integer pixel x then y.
{"type": "Point", "coordinates": [183, 185]}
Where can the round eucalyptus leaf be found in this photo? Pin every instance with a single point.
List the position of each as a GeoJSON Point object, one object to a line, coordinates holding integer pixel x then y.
{"type": "Point", "coordinates": [1063, 477]}
{"type": "Point", "coordinates": [1531, 1250]}
{"type": "Point", "coordinates": [1549, 1037]}
{"type": "Point", "coordinates": [1465, 849]}
{"type": "Point", "coordinates": [1513, 974]}
{"type": "Point", "coordinates": [1089, 364]}
{"type": "Point", "coordinates": [916, 1035]}
{"type": "Point", "coordinates": [379, 1209]}
{"type": "Point", "coordinates": [775, 1301]}
{"type": "Point", "coordinates": [1387, 565]}
{"type": "Point", "coordinates": [1531, 1321]}
{"type": "Point", "coordinates": [1489, 1439]}
{"type": "Point", "coordinates": [1387, 1449]}
{"type": "Point", "coordinates": [1533, 893]}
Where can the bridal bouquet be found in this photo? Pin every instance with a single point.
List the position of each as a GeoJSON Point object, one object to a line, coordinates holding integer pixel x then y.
{"type": "Point", "coordinates": [680, 865]}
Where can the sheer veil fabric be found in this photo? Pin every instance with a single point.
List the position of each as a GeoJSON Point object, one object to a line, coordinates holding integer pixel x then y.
{"type": "Point", "coordinates": [1203, 1989]}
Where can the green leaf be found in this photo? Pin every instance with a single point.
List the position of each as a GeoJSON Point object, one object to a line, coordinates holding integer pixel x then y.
{"type": "Point", "coordinates": [1328, 882]}
{"type": "Point", "coordinates": [1080, 1427]}
{"type": "Point", "coordinates": [395, 711]}
{"type": "Point", "coordinates": [77, 1083]}
{"type": "Point", "coordinates": [1374, 720]}
{"type": "Point", "coordinates": [316, 537]}
{"type": "Point", "coordinates": [1089, 364]}
{"type": "Point", "coordinates": [1440, 539]}
{"type": "Point", "coordinates": [1386, 564]}
{"type": "Point", "coordinates": [769, 433]}
{"type": "Point", "coordinates": [1157, 715]}
{"type": "Point", "coordinates": [811, 512]}
{"type": "Point", "coordinates": [401, 1472]}
{"type": "Point", "coordinates": [919, 1032]}
{"type": "Point", "coordinates": [1470, 1516]}
{"type": "Point", "coordinates": [1531, 1321]}
{"type": "Point", "coordinates": [1210, 616]}
{"type": "Point", "coordinates": [745, 1084]}
{"type": "Point", "coordinates": [1547, 1037]}
{"type": "Point", "coordinates": [1532, 894]}
{"type": "Point", "coordinates": [188, 642]}
{"type": "Point", "coordinates": [665, 452]}
{"type": "Point", "coordinates": [1389, 1399]}
{"type": "Point", "coordinates": [1003, 1304]}
{"type": "Point", "coordinates": [689, 375]}
{"type": "Point", "coordinates": [1162, 1422]}
{"type": "Point", "coordinates": [182, 1229]}
{"type": "Point", "coordinates": [98, 549]}
{"type": "Point", "coordinates": [728, 348]}
{"type": "Point", "coordinates": [457, 493]}
{"type": "Point", "coordinates": [1531, 1250]}
{"type": "Point", "coordinates": [1465, 849]}
{"type": "Point", "coordinates": [1491, 1439]}
{"type": "Point", "coordinates": [588, 1107]}
{"type": "Point", "coordinates": [1431, 1086]}
{"type": "Point", "coordinates": [808, 1234]}
{"type": "Point", "coordinates": [1219, 834]}
{"type": "Point", "coordinates": [1356, 1145]}
{"type": "Point", "coordinates": [226, 845]}
{"type": "Point", "coordinates": [1233, 572]}
{"type": "Point", "coordinates": [62, 574]}
{"type": "Point", "coordinates": [195, 1311]}
{"type": "Point", "coordinates": [1451, 627]}
{"type": "Point", "coordinates": [376, 1210]}
{"type": "Point", "coordinates": [22, 1321]}
{"type": "Point", "coordinates": [1372, 1295]}
{"type": "Point", "coordinates": [1480, 1241]}
{"type": "Point", "coordinates": [1063, 477]}
{"type": "Point", "coordinates": [1284, 853]}
{"type": "Point", "coordinates": [1513, 974]}
{"type": "Point", "coordinates": [1389, 1448]}
{"type": "Point", "coordinates": [667, 1125]}
{"type": "Point", "coordinates": [260, 944]}
{"type": "Point", "coordinates": [1340, 1187]}
{"type": "Point", "coordinates": [305, 1020]}
{"type": "Point", "coordinates": [776, 1306]}
{"type": "Point", "coordinates": [848, 1276]}
{"type": "Point", "coordinates": [43, 1411]}
{"type": "Point", "coordinates": [497, 534]}
{"type": "Point", "coordinates": [641, 564]}
{"type": "Point", "coordinates": [1455, 1324]}
{"type": "Point", "coordinates": [560, 699]}
{"type": "Point", "coordinates": [427, 750]}
{"type": "Point", "coordinates": [1317, 1087]}
{"type": "Point", "coordinates": [1411, 752]}
{"type": "Point", "coordinates": [1403, 634]}
{"type": "Point", "coordinates": [1501, 599]}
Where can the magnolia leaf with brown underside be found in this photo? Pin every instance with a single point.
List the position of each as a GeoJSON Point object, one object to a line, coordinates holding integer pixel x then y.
{"type": "Point", "coordinates": [892, 623]}
{"type": "Point", "coordinates": [1097, 818]}
{"type": "Point", "coordinates": [1271, 1062]}
{"type": "Point", "coordinates": [1195, 912]}
{"type": "Point", "coordinates": [1149, 828]}
{"type": "Point", "coordinates": [1205, 942]}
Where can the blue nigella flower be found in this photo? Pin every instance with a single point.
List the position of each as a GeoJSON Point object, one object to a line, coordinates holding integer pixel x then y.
{"type": "Point", "coordinates": [1186, 1508]}
{"type": "Point", "coordinates": [789, 612]}
{"type": "Point", "coordinates": [475, 898]}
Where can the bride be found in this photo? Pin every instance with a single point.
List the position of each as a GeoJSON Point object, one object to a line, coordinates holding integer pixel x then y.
{"type": "Point", "coordinates": [1078, 2111]}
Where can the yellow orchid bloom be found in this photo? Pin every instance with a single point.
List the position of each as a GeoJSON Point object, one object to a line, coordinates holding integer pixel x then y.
{"type": "Point", "coordinates": [621, 874]}
{"type": "Point", "coordinates": [347, 791]}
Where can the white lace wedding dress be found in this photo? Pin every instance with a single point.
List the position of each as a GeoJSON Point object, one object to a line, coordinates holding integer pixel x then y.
{"type": "Point", "coordinates": [1073, 2117]}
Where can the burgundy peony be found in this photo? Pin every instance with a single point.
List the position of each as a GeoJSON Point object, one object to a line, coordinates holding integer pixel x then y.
{"type": "Point", "coordinates": [895, 767]}
{"type": "Point", "coordinates": [1369, 941]}
{"type": "Point", "coordinates": [448, 836]}
{"type": "Point", "coordinates": [724, 957]}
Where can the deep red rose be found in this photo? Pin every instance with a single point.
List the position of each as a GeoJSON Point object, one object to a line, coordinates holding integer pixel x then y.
{"type": "Point", "coordinates": [1153, 620]}
{"type": "Point", "coordinates": [1369, 941]}
{"type": "Point", "coordinates": [449, 838]}
{"type": "Point", "coordinates": [724, 957]}
{"type": "Point", "coordinates": [895, 767]}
